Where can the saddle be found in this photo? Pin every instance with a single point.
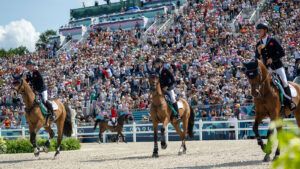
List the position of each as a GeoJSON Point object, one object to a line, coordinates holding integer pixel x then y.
{"type": "Point", "coordinates": [44, 108]}
{"type": "Point", "coordinates": [168, 100]}
{"type": "Point", "coordinates": [277, 82]}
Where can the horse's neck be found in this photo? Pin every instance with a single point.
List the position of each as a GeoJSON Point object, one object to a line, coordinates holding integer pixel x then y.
{"type": "Point", "coordinates": [157, 96]}
{"type": "Point", "coordinates": [267, 88]}
{"type": "Point", "coordinates": [28, 96]}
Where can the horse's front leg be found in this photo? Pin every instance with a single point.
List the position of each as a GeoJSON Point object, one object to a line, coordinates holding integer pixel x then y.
{"type": "Point", "coordinates": [51, 135]}
{"type": "Point", "coordinates": [256, 132]}
{"type": "Point", "coordinates": [277, 153]}
{"type": "Point", "coordinates": [163, 135]}
{"type": "Point", "coordinates": [155, 150]}
{"type": "Point", "coordinates": [259, 139]}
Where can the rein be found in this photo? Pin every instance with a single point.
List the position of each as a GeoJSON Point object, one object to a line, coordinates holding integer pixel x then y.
{"type": "Point", "coordinates": [261, 86]}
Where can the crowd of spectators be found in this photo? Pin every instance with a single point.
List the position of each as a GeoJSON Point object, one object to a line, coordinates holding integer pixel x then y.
{"type": "Point", "coordinates": [205, 55]}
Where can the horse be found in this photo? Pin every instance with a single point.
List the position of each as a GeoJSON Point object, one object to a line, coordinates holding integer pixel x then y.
{"type": "Point", "coordinates": [36, 120]}
{"type": "Point", "coordinates": [161, 113]}
{"type": "Point", "coordinates": [268, 102]}
{"type": "Point", "coordinates": [103, 125]}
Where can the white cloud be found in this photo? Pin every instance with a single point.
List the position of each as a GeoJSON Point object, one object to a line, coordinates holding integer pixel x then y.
{"type": "Point", "coordinates": [18, 33]}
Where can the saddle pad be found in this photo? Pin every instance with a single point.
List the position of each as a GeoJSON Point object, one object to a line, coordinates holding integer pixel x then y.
{"type": "Point", "coordinates": [54, 105]}
{"type": "Point", "coordinates": [293, 91]}
{"type": "Point", "coordinates": [180, 104]}
{"type": "Point", "coordinates": [111, 124]}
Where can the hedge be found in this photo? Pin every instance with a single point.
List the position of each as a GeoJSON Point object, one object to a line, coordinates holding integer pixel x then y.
{"type": "Point", "coordinates": [24, 145]}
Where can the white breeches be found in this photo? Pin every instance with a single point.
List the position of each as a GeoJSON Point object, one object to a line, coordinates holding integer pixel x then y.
{"type": "Point", "coordinates": [281, 73]}
{"type": "Point", "coordinates": [172, 96]}
{"type": "Point", "coordinates": [113, 119]}
{"type": "Point", "coordinates": [44, 96]}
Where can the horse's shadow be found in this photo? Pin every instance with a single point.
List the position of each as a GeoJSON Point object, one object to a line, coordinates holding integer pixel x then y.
{"type": "Point", "coordinates": [123, 158]}
{"type": "Point", "coordinates": [25, 160]}
{"type": "Point", "coordinates": [230, 164]}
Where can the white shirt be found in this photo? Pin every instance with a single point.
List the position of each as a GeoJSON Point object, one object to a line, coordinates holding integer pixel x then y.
{"type": "Point", "coordinates": [264, 40]}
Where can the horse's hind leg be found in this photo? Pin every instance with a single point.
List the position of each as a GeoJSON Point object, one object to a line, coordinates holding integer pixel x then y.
{"type": "Point", "coordinates": [123, 137]}
{"type": "Point", "coordinates": [297, 115]}
{"type": "Point", "coordinates": [182, 149]}
{"type": "Point", "coordinates": [60, 127]}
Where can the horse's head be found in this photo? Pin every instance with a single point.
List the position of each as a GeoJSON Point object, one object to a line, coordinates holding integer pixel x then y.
{"type": "Point", "coordinates": [128, 118]}
{"type": "Point", "coordinates": [153, 81]}
{"type": "Point", "coordinates": [255, 73]}
{"type": "Point", "coordinates": [18, 83]}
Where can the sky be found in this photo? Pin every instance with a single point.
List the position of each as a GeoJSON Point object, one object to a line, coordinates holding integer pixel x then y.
{"type": "Point", "coordinates": [21, 21]}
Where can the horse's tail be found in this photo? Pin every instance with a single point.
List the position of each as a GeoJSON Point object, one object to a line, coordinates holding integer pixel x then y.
{"type": "Point", "coordinates": [68, 127]}
{"type": "Point", "coordinates": [191, 123]}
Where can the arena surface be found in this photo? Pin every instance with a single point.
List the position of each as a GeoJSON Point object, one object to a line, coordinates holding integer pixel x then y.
{"type": "Point", "coordinates": [201, 154]}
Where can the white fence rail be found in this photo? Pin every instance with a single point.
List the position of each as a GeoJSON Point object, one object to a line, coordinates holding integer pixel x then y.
{"type": "Point", "coordinates": [136, 129]}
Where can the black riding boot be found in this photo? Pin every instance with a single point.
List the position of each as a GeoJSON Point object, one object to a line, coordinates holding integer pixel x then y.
{"type": "Point", "coordinates": [50, 110]}
{"type": "Point", "coordinates": [292, 105]}
{"type": "Point", "coordinates": [176, 115]}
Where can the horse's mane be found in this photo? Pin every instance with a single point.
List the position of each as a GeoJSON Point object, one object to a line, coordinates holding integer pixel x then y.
{"type": "Point", "coordinates": [263, 69]}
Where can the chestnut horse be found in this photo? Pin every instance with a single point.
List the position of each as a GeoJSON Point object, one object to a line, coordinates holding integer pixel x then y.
{"type": "Point", "coordinates": [161, 113]}
{"type": "Point", "coordinates": [267, 102]}
{"type": "Point", "coordinates": [36, 120]}
{"type": "Point", "coordinates": [103, 125]}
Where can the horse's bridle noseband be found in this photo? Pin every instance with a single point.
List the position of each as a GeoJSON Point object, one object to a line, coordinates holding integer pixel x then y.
{"type": "Point", "coordinates": [21, 84]}
{"type": "Point", "coordinates": [260, 85]}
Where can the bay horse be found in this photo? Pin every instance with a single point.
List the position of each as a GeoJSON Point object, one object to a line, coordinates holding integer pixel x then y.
{"type": "Point", "coordinates": [267, 102]}
{"type": "Point", "coordinates": [103, 126]}
{"type": "Point", "coordinates": [161, 113]}
{"type": "Point", "coordinates": [36, 119]}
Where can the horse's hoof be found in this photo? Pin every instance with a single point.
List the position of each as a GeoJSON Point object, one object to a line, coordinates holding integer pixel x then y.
{"type": "Point", "coordinates": [155, 155]}
{"type": "Point", "coordinates": [46, 149]}
{"type": "Point", "coordinates": [275, 158]}
{"type": "Point", "coordinates": [36, 152]}
{"type": "Point", "coordinates": [180, 153]}
{"type": "Point", "coordinates": [56, 154]}
{"type": "Point", "coordinates": [164, 146]}
{"type": "Point", "coordinates": [267, 158]}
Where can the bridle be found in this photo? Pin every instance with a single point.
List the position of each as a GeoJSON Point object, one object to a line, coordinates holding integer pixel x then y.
{"type": "Point", "coordinates": [260, 86]}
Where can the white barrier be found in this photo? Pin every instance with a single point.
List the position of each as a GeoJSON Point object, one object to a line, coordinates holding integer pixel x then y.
{"type": "Point", "coordinates": [81, 133]}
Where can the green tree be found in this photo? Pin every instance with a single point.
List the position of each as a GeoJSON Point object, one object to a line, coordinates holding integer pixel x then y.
{"type": "Point", "coordinates": [289, 142]}
{"type": "Point", "coordinates": [21, 50]}
{"type": "Point", "coordinates": [44, 39]}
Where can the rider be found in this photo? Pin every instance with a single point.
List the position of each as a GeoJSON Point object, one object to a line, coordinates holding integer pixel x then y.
{"type": "Point", "coordinates": [167, 82]}
{"type": "Point", "coordinates": [113, 115]}
{"type": "Point", "coordinates": [37, 82]}
{"type": "Point", "coordinates": [269, 50]}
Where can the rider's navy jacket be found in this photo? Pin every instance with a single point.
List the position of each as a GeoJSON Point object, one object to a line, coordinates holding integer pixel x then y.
{"type": "Point", "coordinates": [36, 81]}
{"type": "Point", "coordinates": [273, 50]}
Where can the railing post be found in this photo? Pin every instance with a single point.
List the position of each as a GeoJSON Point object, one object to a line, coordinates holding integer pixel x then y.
{"type": "Point", "coordinates": [167, 133]}
{"type": "Point", "coordinates": [104, 137]}
{"type": "Point", "coordinates": [236, 127]}
{"type": "Point", "coordinates": [200, 129]}
{"type": "Point", "coordinates": [23, 132]}
{"type": "Point", "coordinates": [134, 131]}
{"type": "Point", "coordinates": [75, 131]}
